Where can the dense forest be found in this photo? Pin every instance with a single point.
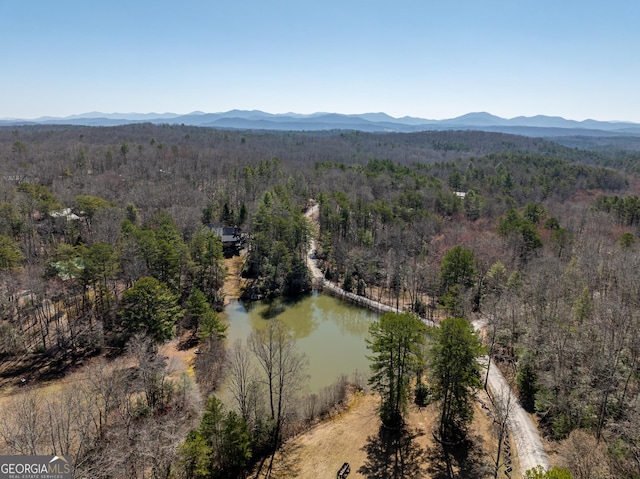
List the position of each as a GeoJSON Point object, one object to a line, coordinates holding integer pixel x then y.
{"type": "Point", "coordinates": [107, 251]}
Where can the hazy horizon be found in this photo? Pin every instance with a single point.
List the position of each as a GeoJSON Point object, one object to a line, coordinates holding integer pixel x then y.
{"type": "Point", "coordinates": [177, 114]}
{"type": "Point", "coordinates": [170, 114]}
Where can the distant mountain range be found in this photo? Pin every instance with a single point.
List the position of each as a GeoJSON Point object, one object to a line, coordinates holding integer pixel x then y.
{"type": "Point", "coordinates": [539, 126]}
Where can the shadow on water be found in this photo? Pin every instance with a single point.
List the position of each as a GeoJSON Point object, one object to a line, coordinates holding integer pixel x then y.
{"type": "Point", "coordinates": [303, 314]}
{"type": "Point", "coordinates": [394, 454]}
{"type": "Point", "coordinates": [277, 306]}
{"type": "Point", "coordinates": [270, 309]}
{"type": "Point", "coordinates": [291, 301]}
{"type": "Point", "coordinates": [273, 309]}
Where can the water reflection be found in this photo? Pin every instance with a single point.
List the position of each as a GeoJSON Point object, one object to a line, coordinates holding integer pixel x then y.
{"type": "Point", "coordinates": [329, 331]}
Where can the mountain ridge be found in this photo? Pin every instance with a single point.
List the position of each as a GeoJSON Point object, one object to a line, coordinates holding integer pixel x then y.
{"type": "Point", "coordinates": [368, 122]}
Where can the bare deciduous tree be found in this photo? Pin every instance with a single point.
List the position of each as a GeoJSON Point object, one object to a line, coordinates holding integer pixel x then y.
{"type": "Point", "coordinates": [241, 375]}
{"type": "Point", "coordinates": [502, 407]}
{"type": "Point", "coordinates": [22, 423]}
{"type": "Point", "coordinates": [283, 367]}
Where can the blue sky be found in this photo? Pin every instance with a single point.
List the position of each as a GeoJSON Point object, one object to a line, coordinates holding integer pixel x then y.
{"type": "Point", "coordinates": [431, 59]}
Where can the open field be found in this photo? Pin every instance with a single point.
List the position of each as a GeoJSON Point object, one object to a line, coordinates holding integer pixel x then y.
{"type": "Point", "coordinates": [356, 436]}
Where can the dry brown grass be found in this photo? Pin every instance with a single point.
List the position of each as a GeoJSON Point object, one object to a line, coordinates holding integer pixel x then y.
{"type": "Point", "coordinates": [234, 283]}
{"type": "Point", "coordinates": [179, 361]}
{"type": "Point", "coordinates": [356, 436]}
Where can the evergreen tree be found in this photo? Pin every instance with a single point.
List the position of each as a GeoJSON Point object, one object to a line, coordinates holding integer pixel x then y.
{"type": "Point", "coordinates": [227, 436]}
{"type": "Point", "coordinates": [194, 456]}
{"type": "Point", "coordinates": [458, 268]}
{"type": "Point", "coordinates": [457, 274]}
{"type": "Point", "coordinates": [521, 232]}
{"type": "Point", "coordinates": [201, 318]}
{"type": "Point", "coordinates": [207, 269]}
{"type": "Point", "coordinates": [151, 308]}
{"type": "Point", "coordinates": [455, 372]}
{"type": "Point", "coordinates": [10, 254]}
{"type": "Point", "coordinates": [100, 265]}
{"type": "Point", "coordinates": [395, 343]}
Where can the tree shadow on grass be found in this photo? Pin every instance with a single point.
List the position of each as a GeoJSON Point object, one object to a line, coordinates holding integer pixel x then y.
{"type": "Point", "coordinates": [284, 464]}
{"type": "Point", "coordinates": [394, 454]}
{"type": "Point", "coordinates": [462, 461]}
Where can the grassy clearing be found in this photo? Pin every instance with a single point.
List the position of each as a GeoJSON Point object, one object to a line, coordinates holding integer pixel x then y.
{"type": "Point", "coordinates": [356, 436]}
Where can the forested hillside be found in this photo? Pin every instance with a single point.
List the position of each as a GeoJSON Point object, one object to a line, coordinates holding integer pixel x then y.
{"type": "Point", "coordinates": [104, 237]}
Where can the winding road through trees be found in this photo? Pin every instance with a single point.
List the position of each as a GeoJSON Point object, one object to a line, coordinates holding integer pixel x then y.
{"type": "Point", "coordinates": [530, 451]}
{"type": "Point", "coordinates": [522, 429]}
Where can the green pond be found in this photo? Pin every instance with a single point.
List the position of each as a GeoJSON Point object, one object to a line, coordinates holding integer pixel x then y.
{"type": "Point", "coordinates": [330, 332]}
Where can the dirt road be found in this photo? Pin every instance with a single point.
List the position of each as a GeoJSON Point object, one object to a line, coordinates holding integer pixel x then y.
{"type": "Point", "coordinates": [312, 215]}
{"type": "Point", "coordinates": [523, 432]}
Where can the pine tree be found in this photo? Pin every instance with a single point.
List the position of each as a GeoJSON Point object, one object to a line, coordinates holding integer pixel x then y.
{"type": "Point", "coordinates": [395, 343]}
{"type": "Point", "coordinates": [455, 372]}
